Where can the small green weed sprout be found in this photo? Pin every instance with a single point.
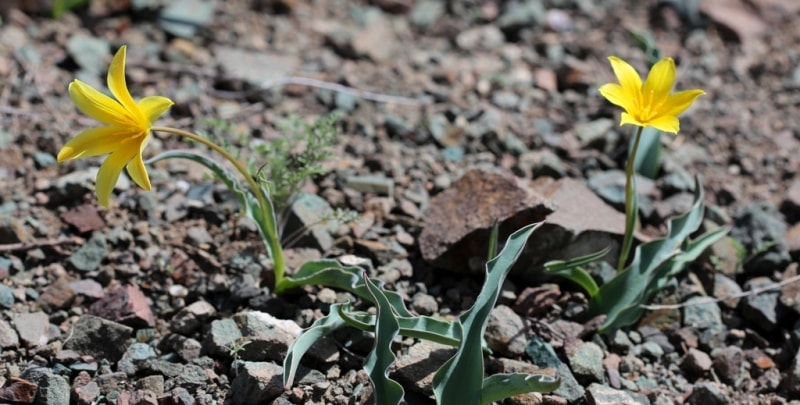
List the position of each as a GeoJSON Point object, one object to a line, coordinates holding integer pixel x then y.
{"type": "Point", "coordinates": [236, 347]}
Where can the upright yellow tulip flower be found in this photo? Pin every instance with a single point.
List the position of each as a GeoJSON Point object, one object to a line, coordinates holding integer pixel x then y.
{"type": "Point", "coordinates": [648, 104]}
{"type": "Point", "coordinates": [125, 133]}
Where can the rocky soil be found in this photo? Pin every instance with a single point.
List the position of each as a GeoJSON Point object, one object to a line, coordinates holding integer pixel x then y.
{"type": "Point", "coordinates": [453, 114]}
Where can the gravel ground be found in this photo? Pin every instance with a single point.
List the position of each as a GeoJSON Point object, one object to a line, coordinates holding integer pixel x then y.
{"type": "Point", "coordinates": [452, 114]}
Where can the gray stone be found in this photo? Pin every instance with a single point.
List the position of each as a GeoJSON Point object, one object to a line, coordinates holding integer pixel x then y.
{"type": "Point", "coordinates": [585, 360]}
{"type": "Point", "coordinates": [191, 317]}
{"type": "Point", "coordinates": [376, 40]}
{"type": "Point", "coordinates": [191, 377]}
{"type": "Point", "coordinates": [224, 333]}
{"type": "Point", "coordinates": [598, 394]}
{"type": "Point", "coordinates": [89, 52]}
{"type": "Point", "coordinates": [484, 37]}
{"type": "Point", "coordinates": [424, 304]}
{"type": "Point", "coordinates": [43, 159]}
{"type": "Point", "coordinates": [533, 164]}
{"type": "Point", "coordinates": [762, 309]}
{"type": "Point", "coordinates": [256, 383]}
{"type": "Point", "coordinates": [542, 355]}
{"type": "Point", "coordinates": [33, 328]}
{"type": "Point", "coordinates": [505, 332]}
{"type": "Point", "coordinates": [507, 100]}
{"type": "Point", "coordinates": [154, 383]}
{"type": "Point", "coordinates": [524, 15]}
{"type": "Point", "coordinates": [310, 217]}
{"type": "Point", "coordinates": [53, 389]}
{"type": "Point", "coordinates": [729, 365]}
{"type": "Point", "coordinates": [98, 337]}
{"type": "Point", "coordinates": [760, 228]}
{"type": "Point", "coordinates": [696, 363]}
{"type": "Point", "coordinates": [345, 102]}
{"type": "Point", "coordinates": [198, 236]}
{"type": "Point", "coordinates": [651, 350]}
{"type": "Point", "coordinates": [620, 341]}
{"type": "Point", "coordinates": [425, 13]}
{"type": "Point", "coordinates": [415, 369]}
{"type": "Point", "coordinates": [12, 230]}
{"type": "Point", "coordinates": [380, 185]}
{"type": "Point", "coordinates": [163, 367]}
{"type": "Point", "coordinates": [593, 132]}
{"type": "Point", "coordinates": [255, 68]}
{"type": "Point", "coordinates": [6, 296]}
{"type": "Point", "coordinates": [702, 313]}
{"type": "Point", "coordinates": [89, 256]}
{"type": "Point", "coordinates": [708, 393]}
{"type": "Point", "coordinates": [727, 289]}
{"type": "Point", "coordinates": [269, 337]}
{"type": "Point", "coordinates": [8, 336]}
{"type": "Point", "coordinates": [610, 186]}
{"type": "Point", "coordinates": [182, 18]}
{"type": "Point", "coordinates": [140, 351]}
{"type": "Point", "coordinates": [673, 205]}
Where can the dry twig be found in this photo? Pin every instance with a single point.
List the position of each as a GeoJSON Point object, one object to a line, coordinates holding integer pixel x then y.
{"type": "Point", "coordinates": [712, 300]}
{"type": "Point", "coordinates": [15, 247]}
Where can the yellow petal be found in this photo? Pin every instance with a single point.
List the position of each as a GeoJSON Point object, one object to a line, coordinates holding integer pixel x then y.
{"type": "Point", "coordinates": [98, 105]}
{"type": "Point", "coordinates": [110, 170]}
{"type": "Point", "coordinates": [666, 123]}
{"type": "Point", "coordinates": [138, 172]}
{"type": "Point", "coordinates": [616, 95]}
{"type": "Point", "coordinates": [659, 82]}
{"type": "Point", "coordinates": [680, 101]}
{"type": "Point", "coordinates": [94, 142]}
{"type": "Point", "coordinates": [628, 77]}
{"type": "Point", "coordinates": [118, 87]}
{"type": "Point", "coordinates": [626, 118]}
{"type": "Point", "coordinates": [154, 107]}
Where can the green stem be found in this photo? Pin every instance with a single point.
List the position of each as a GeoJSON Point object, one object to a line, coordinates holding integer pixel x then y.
{"type": "Point", "coordinates": [267, 210]}
{"type": "Point", "coordinates": [631, 207]}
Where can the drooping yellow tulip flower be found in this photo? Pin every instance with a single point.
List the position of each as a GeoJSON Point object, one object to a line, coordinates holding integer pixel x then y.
{"type": "Point", "coordinates": [125, 133]}
{"type": "Point", "coordinates": [648, 104]}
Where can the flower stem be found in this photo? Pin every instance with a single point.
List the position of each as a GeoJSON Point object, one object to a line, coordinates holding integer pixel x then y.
{"type": "Point", "coordinates": [270, 229]}
{"type": "Point", "coordinates": [631, 202]}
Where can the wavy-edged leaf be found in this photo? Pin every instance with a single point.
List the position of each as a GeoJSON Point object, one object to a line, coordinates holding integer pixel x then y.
{"type": "Point", "coordinates": [387, 391]}
{"type": "Point", "coordinates": [460, 379]}
{"type": "Point", "coordinates": [571, 269]}
{"type": "Point", "coordinates": [319, 329]}
{"type": "Point", "coordinates": [420, 327]}
{"type": "Point", "coordinates": [327, 272]}
{"type": "Point", "coordinates": [500, 386]}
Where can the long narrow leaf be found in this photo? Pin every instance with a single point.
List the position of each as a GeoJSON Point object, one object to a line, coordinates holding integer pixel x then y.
{"type": "Point", "coordinates": [387, 391]}
{"type": "Point", "coordinates": [571, 269]}
{"type": "Point", "coordinates": [460, 379]}
{"type": "Point", "coordinates": [321, 328]}
{"type": "Point", "coordinates": [667, 270]}
{"type": "Point", "coordinates": [500, 386]}
{"type": "Point", "coordinates": [629, 288]}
